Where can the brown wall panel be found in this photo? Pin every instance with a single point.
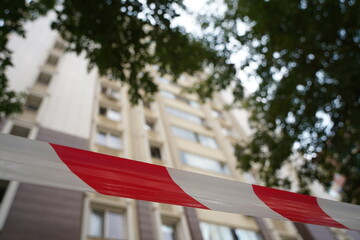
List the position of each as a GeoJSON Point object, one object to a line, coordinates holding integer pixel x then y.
{"type": "Point", "coordinates": [264, 231]}
{"type": "Point", "coordinates": [193, 222]}
{"type": "Point", "coordinates": [314, 232]}
{"type": "Point", "coordinates": [44, 213]}
{"type": "Point", "coordinates": [145, 219]}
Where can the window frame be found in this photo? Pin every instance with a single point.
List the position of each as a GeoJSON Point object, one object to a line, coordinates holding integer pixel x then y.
{"type": "Point", "coordinates": [52, 60]}
{"type": "Point", "coordinates": [231, 231]}
{"type": "Point", "coordinates": [184, 115]}
{"type": "Point", "coordinates": [20, 126]}
{"type": "Point", "coordinates": [108, 134]}
{"type": "Point", "coordinates": [223, 167]}
{"type": "Point", "coordinates": [105, 227]}
{"type": "Point", "coordinates": [196, 137]}
{"type": "Point", "coordinates": [107, 114]}
{"type": "Point", "coordinates": [36, 99]}
{"type": "Point", "coordinates": [150, 125]}
{"type": "Point", "coordinates": [173, 222]}
{"type": "Point", "coordinates": [173, 96]}
{"type": "Point", "coordinates": [159, 148]}
{"type": "Point", "coordinates": [44, 78]}
{"type": "Point", "coordinates": [110, 92]}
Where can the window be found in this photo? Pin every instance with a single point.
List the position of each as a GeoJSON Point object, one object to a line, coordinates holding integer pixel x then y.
{"type": "Point", "coordinates": [204, 163]}
{"type": "Point", "coordinates": [33, 103]}
{"type": "Point", "coordinates": [168, 231]}
{"type": "Point", "coordinates": [227, 131]}
{"type": "Point", "coordinates": [187, 101]}
{"type": "Point", "coordinates": [110, 113]}
{"type": "Point", "coordinates": [167, 94]}
{"type": "Point", "coordinates": [110, 93]}
{"type": "Point", "coordinates": [20, 131]}
{"type": "Point", "coordinates": [59, 46]}
{"type": "Point", "coordinates": [217, 114]}
{"type": "Point", "coordinates": [207, 141]}
{"type": "Point", "coordinates": [171, 95]}
{"type": "Point", "coordinates": [150, 125]}
{"type": "Point", "coordinates": [146, 105]}
{"type": "Point", "coordinates": [194, 104]}
{"type": "Point", "coordinates": [184, 115]}
{"type": "Point", "coordinates": [282, 237]}
{"type": "Point", "coordinates": [109, 140]}
{"type": "Point", "coordinates": [155, 152]}
{"type": "Point", "coordinates": [52, 60]}
{"type": "Point", "coordinates": [218, 232]}
{"type": "Point", "coordinates": [195, 137]}
{"type": "Point", "coordinates": [163, 80]}
{"type": "Point", "coordinates": [3, 187]}
{"type": "Point", "coordinates": [44, 78]}
{"type": "Point", "coordinates": [107, 224]}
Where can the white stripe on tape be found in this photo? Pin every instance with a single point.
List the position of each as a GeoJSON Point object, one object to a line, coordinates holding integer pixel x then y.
{"type": "Point", "coordinates": [236, 197]}
{"type": "Point", "coordinates": [344, 213]}
{"type": "Point", "coordinates": [36, 162]}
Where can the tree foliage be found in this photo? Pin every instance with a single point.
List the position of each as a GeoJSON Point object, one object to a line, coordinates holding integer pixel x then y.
{"type": "Point", "coordinates": [306, 56]}
{"type": "Point", "coordinates": [120, 38]}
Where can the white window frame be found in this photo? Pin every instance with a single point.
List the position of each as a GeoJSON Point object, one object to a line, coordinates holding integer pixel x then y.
{"type": "Point", "coordinates": [122, 205]}
{"type": "Point", "coordinates": [108, 115]}
{"type": "Point", "coordinates": [168, 94]}
{"type": "Point", "coordinates": [166, 221]}
{"type": "Point", "coordinates": [216, 229]}
{"type": "Point", "coordinates": [105, 223]}
{"type": "Point", "coordinates": [149, 122]}
{"type": "Point", "coordinates": [107, 139]}
{"type": "Point", "coordinates": [184, 115]}
{"type": "Point", "coordinates": [224, 168]}
{"type": "Point", "coordinates": [110, 92]}
{"type": "Point", "coordinates": [196, 136]}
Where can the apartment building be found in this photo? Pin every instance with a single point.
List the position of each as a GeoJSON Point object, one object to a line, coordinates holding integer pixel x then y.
{"type": "Point", "coordinates": [68, 105]}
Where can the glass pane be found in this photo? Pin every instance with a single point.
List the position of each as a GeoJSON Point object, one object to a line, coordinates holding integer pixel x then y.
{"type": "Point", "coordinates": [194, 104]}
{"type": "Point", "coordinates": [226, 131]}
{"type": "Point", "coordinates": [168, 232]}
{"type": "Point", "coordinates": [101, 138]}
{"type": "Point", "coordinates": [184, 115]}
{"type": "Point", "coordinates": [96, 224]}
{"type": "Point", "coordinates": [155, 152]}
{"type": "Point", "coordinates": [225, 233]}
{"type": "Point", "coordinates": [3, 187]}
{"type": "Point", "coordinates": [247, 234]}
{"type": "Point", "coordinates": [210, 231]}
{"type": "Point", "coordinates": [115, 94]}
{"type": "Point", "coordinates": [113, 115]}
{"type": "Point", "coordinates": [20, 131]}
{"type": "Point", "coordinates": [116, 226]}
{"type": "Point", "coordinates": [167, 94]}
{"type": "Point", "coordinates": [149, 126]}
{"type": "Point", "coordinates": [183, 133]}
{"type": "Point", "coordinates": [203, 163]}
{"type": "Point", "coordinates": [163, 80]}
{"type": "Point", "coordinates": [114, 141]}
{"type": "Point", "coordinates": [205, 231]}
{"type": "Point", "coordinates": [207, 141]}
{"type": "Point", "coordinates": [102, 111]}
{"type": "Point", "coordinates": [44, 78]}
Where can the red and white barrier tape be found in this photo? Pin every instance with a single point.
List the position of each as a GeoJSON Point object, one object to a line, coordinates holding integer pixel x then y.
{"type": "Point", "coordinates": [54, 165]}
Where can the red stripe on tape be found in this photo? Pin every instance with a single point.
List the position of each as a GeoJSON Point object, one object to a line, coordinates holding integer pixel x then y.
{"type": "Point", "coordinates": [125, 178]}
{"type": "Point", "coordinates": [295, 207]}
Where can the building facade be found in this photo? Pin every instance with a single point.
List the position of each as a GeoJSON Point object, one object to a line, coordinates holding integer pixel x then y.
{"type": "Point", "coordinates": [68, 105]}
